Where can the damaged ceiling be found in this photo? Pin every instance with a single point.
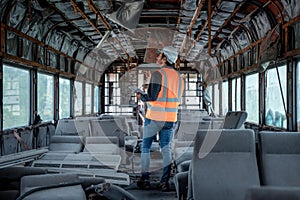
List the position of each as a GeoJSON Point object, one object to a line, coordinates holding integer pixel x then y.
{"type": "Point", "coordinates": [99, 32]}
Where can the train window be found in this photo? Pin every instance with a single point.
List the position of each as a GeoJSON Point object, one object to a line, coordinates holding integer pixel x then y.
{"type": "Point", "coordinates": [216, 98]}
{"type": "Point", "coordinates": [116, 86]}
{"type": "Point", "coordinates": [190, 98]}
{"type": "Point", "coordinates": [96, 99]}
{"type": "Point", "coordinates": [45, 96]}
{"type": "Point", "coordinates": [224, 98]}
{"type": "Point", "coordinates": [236, 94]}
{"type": "Point", "coordinates": [64, 97]}
{"type": "Point", "coordinates": [16, 97]}
{"type": "Point", "coordinates": [297, 35]}
{"type": "Point", "coordinates": [78, 98]}
{"type": "Point", "coordinates": [252, 98]}
{"type": "Point", "coordinates": [275, 113]}
{"type": "Point", "coordinates": [88, 98]}
{"type": "Point", "coordinates": [298, 96]}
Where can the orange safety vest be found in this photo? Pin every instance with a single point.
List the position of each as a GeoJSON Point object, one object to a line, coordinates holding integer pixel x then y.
{"type": "Point", "coordinates": [165, 107]}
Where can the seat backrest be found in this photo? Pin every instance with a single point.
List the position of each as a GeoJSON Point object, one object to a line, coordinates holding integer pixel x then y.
{"type": "Point", "coordinates": [73, 127]}
{"type": "Point", "coordinates": [102, 144]}
{"type": "Point", "coordinates": [235, 119]}
{"type": "Point", "coordinates": [273, 192]}
{"type": "Point", "coordinates": [102, 140]}
{"type": "Point", "coordinates": [108, 127]}
{"type": "Point", "coordinates": [188, 129]}
{"type": "Point", "coordinates": [191, 115]}
{"type": "Point", "coordinates": [223, 165]}
{"type": "Point", "coordinates": [280, 158]}
{"type": "Point", "coordinates": [71, 144]}
{"type": "Point", "coordinates": [121, 121]}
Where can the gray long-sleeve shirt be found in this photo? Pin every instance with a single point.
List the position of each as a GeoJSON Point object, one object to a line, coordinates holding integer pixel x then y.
{"type": "Point", "coordinates": [153, 88]}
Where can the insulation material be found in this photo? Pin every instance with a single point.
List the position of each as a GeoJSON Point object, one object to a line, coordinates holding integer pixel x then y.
{"type": "Point", "coordinates": [269, 47]}
{"type": "Point", "coordinates": [127, 15]}
{"type": "Point", "coordinates": [291, 9]}
{"type": "Point", "coordinates": [221, 16]}
{"type": "Point", "coordinates": [4, 4]}
{"type": "Point", "coordinates": [190, 5]}
{"type": "Point", "coordinates": [53, 58]}
{"type": "Point", "coordinates": [62, 63]}
{"type": "Point", "coordinates": [73, 48]}
{"type": "Point", "coordinates": [227, 6]}
{"type": "Point", "coordinates": [104, 6]}
{"type": "Point", "coordinates": [262, 24]}
{"type": "Point", "coordinates": [27, 52]}
{"type": "Point", "coordinates": [234, 45]}
{"type": "Point", "coordinates": [11, 43]}
{"type": "Point", "coordinates": [15, 20]}
{"type": "Point", "coordinates": [90, 60]}
{"type": "Point", "coordinates": [31, 28]}
{"type": "Point", "coordinates": [56, 39]}
{"type": "Point", "coordinates": [242, 38]}
{"type": "Point", "coordinates": [84, 25]}
{"type": "Point", "coordinates": [40, 55]}
{"type": "Point", "coordinates": [28, 25]}
{"type": "Point", "coordinates": [82, 52]}
{"type": "Point", "coordinates": [80, 69]}
{"type": "Point", "coordinates": [297, 34]}
{"type": "Point", "coordinates": [66, 45]}
{"type": "Point", "coordinates": [17, 15]}
{"type": "Point", "coordinates": [68, 9]}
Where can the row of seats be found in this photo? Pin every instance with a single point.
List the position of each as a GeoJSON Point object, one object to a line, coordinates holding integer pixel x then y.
{"type": "Point", "coordinates": [76, 144]}
{"type": "Point", "coordinates": [33, 138]}
{"type": "Point", "coordinates": [189, 123]}
{"type": "Point", "coordinates": [98, 151]}
{"type": "Point", "coordinates": [97, 156]}
{"type": "Point", "coordinates": [225, 165]}
{"type": "Point", "coordinates": [92, 126]}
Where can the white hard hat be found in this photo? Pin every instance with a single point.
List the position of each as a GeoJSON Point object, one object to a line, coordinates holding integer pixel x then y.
{"type": "Point", "coordinates": [171, 53]}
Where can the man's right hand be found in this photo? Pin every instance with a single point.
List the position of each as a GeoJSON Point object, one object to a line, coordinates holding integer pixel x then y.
{"type": "Point", "coordinates": [139, 91]}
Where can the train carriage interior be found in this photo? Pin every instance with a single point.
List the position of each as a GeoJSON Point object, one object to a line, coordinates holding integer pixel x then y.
{"type": "Point", "coordinates": [72, 126]}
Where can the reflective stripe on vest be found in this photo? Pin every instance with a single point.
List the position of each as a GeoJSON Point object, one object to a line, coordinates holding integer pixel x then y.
{"type": "Point", "coordinates": [165, 108]}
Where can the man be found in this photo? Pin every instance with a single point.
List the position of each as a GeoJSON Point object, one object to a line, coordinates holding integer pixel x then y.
{"type": "Point", "coordinates": [207, 99]}
{"type": "Point", "coordinates": [163, 98]}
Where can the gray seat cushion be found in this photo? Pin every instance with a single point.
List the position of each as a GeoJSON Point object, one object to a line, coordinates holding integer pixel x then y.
{"type": "Point", "coordinates": [71, 144]}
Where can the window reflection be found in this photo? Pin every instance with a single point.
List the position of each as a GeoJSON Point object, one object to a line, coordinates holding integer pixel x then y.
{"type": "Point", "coordinates": [252, 98]}
{"type": "Point", "coordinates": [275, 111]}
{"type": "Point", "coordinates": [64, 98]}
{"type": "Point", "coordinates": [16, 97]}
{"type": "Point", "coordinates": [45, 96]}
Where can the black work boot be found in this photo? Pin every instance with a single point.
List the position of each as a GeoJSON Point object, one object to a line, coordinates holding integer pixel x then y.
{"type": "Point", "coordinates": [164, 186]}
{"type": "Point", "coordinates": [143, 184]}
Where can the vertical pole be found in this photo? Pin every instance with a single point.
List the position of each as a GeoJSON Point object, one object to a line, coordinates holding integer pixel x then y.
{"type": "Point", "coordinates": [209, 26]}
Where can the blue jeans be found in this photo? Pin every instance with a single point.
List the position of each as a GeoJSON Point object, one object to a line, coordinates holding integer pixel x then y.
{"type": "Point", "coordinates": [165, 131]}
